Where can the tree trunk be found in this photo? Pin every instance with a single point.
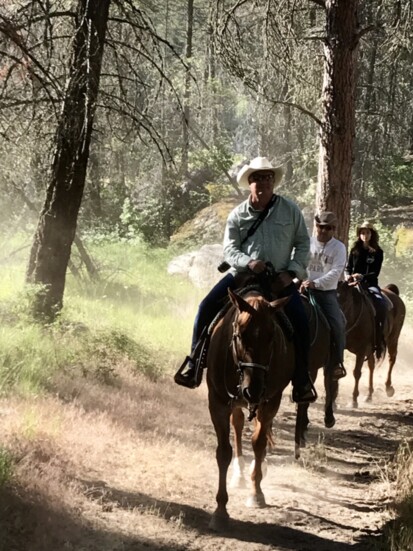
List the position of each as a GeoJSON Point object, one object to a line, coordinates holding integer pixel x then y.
{"type": "Point", "coordinates": [56, 228]}
{"type": "Point", "coordinates": [338, 125]}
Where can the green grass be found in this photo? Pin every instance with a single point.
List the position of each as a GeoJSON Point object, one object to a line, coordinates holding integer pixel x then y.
{"type": "Point", "coordinates": [6, 466]}
{"type": "Point", "coordinates": [135, 312]}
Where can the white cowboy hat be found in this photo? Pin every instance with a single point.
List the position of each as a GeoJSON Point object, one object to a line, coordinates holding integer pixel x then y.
{"type": "Point", "coordinates": [259, 163]}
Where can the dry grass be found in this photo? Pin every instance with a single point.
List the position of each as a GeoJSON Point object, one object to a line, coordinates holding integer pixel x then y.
{"type": "Point", "coordinates": [91, 449]}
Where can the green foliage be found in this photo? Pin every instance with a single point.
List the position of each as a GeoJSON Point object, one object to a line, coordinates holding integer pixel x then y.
{"type": "Point", "coordinates": [217, 158]}
{"type": "Point", "coordinates": [391, 179]}
{"type": "Point", "coordinates": [6, 466]}
{"type": "Point", "coordinates": [135, 315]}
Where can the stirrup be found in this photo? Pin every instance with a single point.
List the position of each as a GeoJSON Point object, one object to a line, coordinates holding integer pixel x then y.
{"type": "Point", "coordinates": [338, 372]}
{"type": "Point", "coordinates": [304, 394]}
{"type": "Point", "coordinates": [188, 375]}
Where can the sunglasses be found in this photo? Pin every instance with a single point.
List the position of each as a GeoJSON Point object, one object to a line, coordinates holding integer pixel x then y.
{"type": "Point", "coordinates": [261, 177]}
{"type": "Point", "coordinates": [325, 227]}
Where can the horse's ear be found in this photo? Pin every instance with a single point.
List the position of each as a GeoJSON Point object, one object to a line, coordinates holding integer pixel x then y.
{"type": "Point", "coordinates": [279, 303]}
{"type": "Point", "coordinates": [240, 303]}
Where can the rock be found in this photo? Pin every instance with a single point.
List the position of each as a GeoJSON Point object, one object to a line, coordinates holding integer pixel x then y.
{"type": "Point", "coordinates": [208, 225]}
{"type": "Point", "coordinates": [199, 266]}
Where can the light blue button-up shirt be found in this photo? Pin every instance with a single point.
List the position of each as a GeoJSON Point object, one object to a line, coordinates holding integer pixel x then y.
{"type": "Point", "coordinates": [282, 238]}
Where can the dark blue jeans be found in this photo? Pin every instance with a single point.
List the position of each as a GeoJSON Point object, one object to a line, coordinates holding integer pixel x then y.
{"type": "Point", "coordinates": [210, 306]}
{"type": "Point", "coordinates": [215, 299]}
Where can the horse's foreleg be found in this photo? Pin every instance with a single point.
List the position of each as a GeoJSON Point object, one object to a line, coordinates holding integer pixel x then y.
{"type": "Point", "coordinates": [301, 426]}
{"type": "Point", "coordinates": [331, 388]}
{"type": "Point", "coordinates": [220, 418]}
{"type": "Point", "coordinates": [238, 462]}
{"type": "Point", "coordinates": [371, 363]}
{"type": "Point", "coordinates": [357, 375]}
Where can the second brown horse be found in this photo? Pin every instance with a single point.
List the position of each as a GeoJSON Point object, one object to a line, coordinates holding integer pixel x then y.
{"type": "Point", "coordinates": [360, 331]}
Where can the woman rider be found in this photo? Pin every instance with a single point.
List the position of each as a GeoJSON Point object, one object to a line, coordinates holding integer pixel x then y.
{"type": "Point", "coordinates": [364, 265]}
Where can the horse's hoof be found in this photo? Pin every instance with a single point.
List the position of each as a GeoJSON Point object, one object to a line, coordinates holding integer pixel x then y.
{"type": "Point", "coordinates": [297, 452]}
{"type": "Point", "coordinates": [368, 399]}
{"type": "Point", "coordinates": [329, 422]}
{"type": "Point", "coordinates": [389, 391]}
{"type": "Point", "coordinates": [219, 523]}
{"type": "Point", "coordinates": [256, 501]}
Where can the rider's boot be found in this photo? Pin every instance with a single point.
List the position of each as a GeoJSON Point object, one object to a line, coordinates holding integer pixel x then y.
{"type": "Point", "coordinates": [338, 371]}
{"type": "Point", "coordinates": [304, 393]}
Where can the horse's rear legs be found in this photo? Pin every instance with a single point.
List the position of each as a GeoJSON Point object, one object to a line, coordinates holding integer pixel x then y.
{"type": "Point", "coordinates": [260, 438]}
{"type": "Point", "coordinates": [371, 363]}
{"type": "Point", "coordinates": [392, 351]}
{"type": "Point", "coordinates": [238, 462]}
{"type": "Point", "coordinates": [357, 375]}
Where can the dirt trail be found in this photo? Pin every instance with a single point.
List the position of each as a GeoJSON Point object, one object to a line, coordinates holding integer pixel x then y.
{"type": "Point", "coordinates": [132, 467]}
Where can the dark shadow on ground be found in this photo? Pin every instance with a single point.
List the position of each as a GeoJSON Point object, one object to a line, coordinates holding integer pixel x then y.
{"type": "Point", "coordinates": [289, 538]}
{"type": "Point", "coordinates": [28, 523]}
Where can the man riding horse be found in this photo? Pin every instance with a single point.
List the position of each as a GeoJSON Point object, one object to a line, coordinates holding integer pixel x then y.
{"type": "Point", "coordinates": [264, 228]}
{"type": "Point", "coordinates": [326, 266]}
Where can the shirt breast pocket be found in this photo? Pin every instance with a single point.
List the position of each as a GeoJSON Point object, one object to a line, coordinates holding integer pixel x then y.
{"type": "Point", "coordinates": [283, 228]}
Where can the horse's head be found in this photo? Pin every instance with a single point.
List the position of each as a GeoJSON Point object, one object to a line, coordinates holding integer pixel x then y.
{"type": "Point", "coordinates": [253, 336]}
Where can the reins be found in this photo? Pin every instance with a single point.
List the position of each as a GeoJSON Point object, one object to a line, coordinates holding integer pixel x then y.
{"type": "Point", "coordinates": [360, 312]}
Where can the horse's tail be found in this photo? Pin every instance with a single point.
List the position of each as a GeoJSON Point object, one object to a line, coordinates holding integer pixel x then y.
{"type": "Point", "coordinates": [393, 288]}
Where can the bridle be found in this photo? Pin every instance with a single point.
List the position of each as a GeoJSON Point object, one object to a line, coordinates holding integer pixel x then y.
{"type": "Point", "coordinates": [238, 353]}
{"type": "Point", "coordinates": [241, 366]}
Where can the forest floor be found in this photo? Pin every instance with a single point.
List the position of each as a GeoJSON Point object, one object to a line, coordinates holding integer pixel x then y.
{"type": "Point", "coordinates": [131, 467]}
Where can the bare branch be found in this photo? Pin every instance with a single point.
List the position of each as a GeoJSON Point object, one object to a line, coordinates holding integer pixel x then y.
{"type": "Point", "coordinates": [298, 107]}
{"type": "Point", "coordinates": [366, 30]}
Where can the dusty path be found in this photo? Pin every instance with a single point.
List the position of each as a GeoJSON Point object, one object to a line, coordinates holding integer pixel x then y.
{"type": "Point", "coordinates": [132, 467]}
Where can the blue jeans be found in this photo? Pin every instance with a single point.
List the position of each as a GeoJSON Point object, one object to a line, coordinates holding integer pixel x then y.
{"type": "Point", "coordinates": [328, 302]}
{"type": "Point", "coordinates": [210, 306]}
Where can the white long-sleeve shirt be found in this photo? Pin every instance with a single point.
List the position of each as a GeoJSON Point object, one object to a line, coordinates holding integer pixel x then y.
{"type": "Point", "coordinates": [327, 263]}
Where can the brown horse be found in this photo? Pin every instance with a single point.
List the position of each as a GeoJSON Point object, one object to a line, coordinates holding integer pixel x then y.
{"type": "Point", "coordinates": [250, 362]}
{"type": "Point", "coordinates": [360, 331]}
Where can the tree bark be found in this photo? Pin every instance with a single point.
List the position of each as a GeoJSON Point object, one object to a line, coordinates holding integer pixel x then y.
{"type": "Point", "coordinates": [338, 100]}
{"type": "Point", "coordinates": [56, 228]}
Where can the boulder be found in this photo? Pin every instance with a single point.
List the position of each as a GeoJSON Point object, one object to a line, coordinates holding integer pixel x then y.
{"type": "Point", "coordinates": [199, 266]}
